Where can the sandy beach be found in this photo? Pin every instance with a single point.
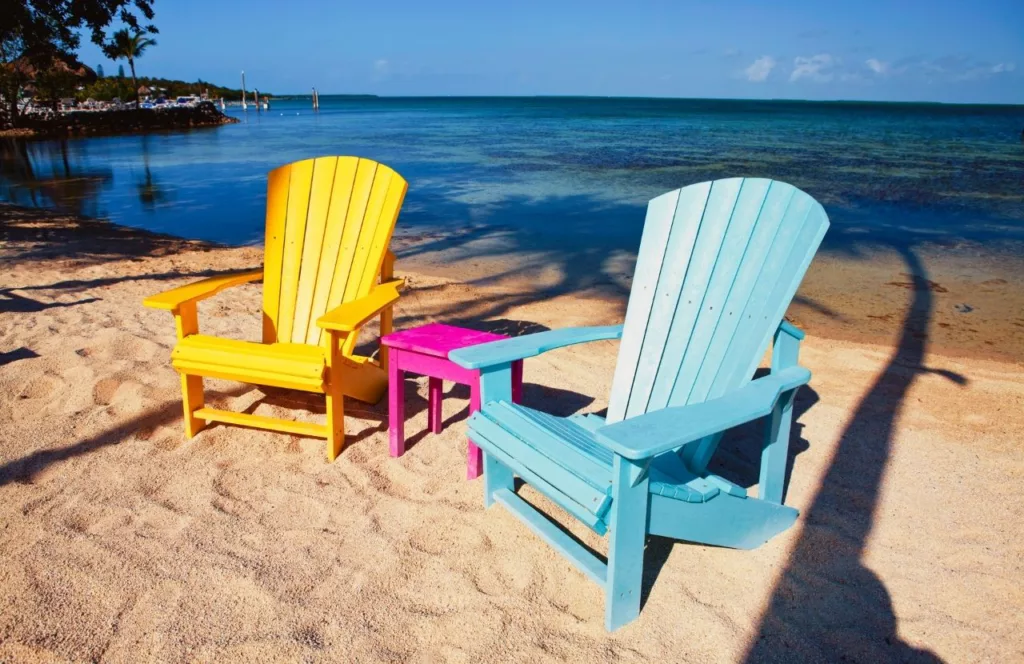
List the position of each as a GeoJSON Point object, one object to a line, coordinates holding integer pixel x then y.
{"type": "Point", "coordinates": [123, 542]}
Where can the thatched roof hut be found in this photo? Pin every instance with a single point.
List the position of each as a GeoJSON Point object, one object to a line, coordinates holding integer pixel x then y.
{"type": "Point", "coordinates": [30, 70]}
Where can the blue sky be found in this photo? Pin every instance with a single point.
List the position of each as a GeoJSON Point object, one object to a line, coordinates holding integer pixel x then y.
{"type": "Point", "coordinates": [902, 50]}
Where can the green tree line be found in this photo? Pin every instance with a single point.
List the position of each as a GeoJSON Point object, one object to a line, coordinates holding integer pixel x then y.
{"type": "Point", "coordinates": [105, 89]}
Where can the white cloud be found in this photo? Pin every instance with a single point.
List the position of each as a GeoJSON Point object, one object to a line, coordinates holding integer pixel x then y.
{"type": "Point", "coordinates": [816, 68]}
{"type": "Point", "coordinates": [759, 70]}
{"type": "Point", "coordinates": [982, 71]}
{"type": "Point", "coordinates": [878, 66]}
{"type": "Point", "coordinates": [946, 68]}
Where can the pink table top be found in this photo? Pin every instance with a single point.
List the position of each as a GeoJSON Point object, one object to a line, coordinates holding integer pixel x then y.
{"type": "Point", "coordinates": [437, 339]}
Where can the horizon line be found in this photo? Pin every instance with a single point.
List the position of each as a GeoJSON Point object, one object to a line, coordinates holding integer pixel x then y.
{"type": "Point", "coordinates": [371, 95]}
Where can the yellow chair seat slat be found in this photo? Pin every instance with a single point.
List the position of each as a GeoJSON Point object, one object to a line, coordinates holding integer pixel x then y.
{"type": "Point", "coordinates": [280, 365]}
{"type": "Point", "coordinates": [302, 352]}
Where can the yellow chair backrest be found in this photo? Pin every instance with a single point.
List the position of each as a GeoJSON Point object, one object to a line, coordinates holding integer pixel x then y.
{"type": "Point", "coordinates": [329, 223]}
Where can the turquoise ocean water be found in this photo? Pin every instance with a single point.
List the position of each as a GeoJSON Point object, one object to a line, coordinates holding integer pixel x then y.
{"type": "Point", "coordinates": [563, 171]}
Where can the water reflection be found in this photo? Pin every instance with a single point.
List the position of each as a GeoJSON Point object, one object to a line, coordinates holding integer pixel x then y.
{"type": "Point", "coordinates": [151, 193]}
{"type": "Point", "coordinates": [44, 174]}
{"type": "Point", "coordinates": [928, 174]}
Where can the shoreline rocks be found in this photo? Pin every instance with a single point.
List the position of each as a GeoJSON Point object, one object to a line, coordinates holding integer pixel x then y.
{"type": "Point", "coordinates": [126, 121]}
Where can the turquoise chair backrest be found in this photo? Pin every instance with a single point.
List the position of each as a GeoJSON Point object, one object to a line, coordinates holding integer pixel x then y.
{"type": "Point", "coordinates": [718, 265]}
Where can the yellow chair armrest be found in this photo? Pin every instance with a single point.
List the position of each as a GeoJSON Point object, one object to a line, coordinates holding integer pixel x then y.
{"type": "Point", "coordinates": [171, 300]}
{"type": "Point", "coordinates": [352, 315]}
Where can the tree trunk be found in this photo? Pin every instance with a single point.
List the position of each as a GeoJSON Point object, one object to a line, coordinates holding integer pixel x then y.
{"type": "Point", "coordinates": [14, 111]}
{"type": "Point", "coordinates": [135, 83]}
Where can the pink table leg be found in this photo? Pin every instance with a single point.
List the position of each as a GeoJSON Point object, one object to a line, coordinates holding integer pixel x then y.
{"type": "Point", "coordinates": [474, 457]}
{"type": "Point", "coordinates": [396, 404]}
{"type": "Point", "coordinates": [517, 381]}
{"type": "Point", "coordinates": [435, 398]}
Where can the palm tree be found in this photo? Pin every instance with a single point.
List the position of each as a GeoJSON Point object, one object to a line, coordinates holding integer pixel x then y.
{"type": "Point", "coordinates": [128, 45]}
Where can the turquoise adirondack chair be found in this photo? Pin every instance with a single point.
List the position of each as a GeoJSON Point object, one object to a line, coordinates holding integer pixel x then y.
{"type": "Point", "coordinates": [718, 265]}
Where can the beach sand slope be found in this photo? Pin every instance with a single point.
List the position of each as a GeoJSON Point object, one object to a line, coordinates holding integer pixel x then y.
{"type": "Point", "coordinates": [123, 542]}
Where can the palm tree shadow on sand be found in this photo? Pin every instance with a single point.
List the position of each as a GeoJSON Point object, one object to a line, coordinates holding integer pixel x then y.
{"type": "Point", "coordinates": [827, 604]}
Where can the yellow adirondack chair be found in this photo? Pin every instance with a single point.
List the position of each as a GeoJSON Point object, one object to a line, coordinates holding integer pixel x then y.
{"type": "Point", "coordinates": [329, 222]}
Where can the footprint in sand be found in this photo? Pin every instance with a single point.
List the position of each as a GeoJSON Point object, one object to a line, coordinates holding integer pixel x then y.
{"type": "Point", "coordinates": [103, 391]}
{"type": "Point", "coordinates": [78, 522]}
{"type": "Point", "coordinates": [919, 284]}
{"type": "Point", "coordinates": [77, 400]}
{"type": "Point", "coordinates": [310, 636]}
{"type": "Point", "coordinates": [42, 387]}
{"type": "Point", "coordinates": [162, 438]}
{"type": "Point", "coordinates": [122, 396]}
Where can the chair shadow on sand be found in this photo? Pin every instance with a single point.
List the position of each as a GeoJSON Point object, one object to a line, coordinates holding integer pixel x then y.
{"type": "Point", "coordinates": [22, 353]}
{"type": "Point", "coordinates": [12, 303]}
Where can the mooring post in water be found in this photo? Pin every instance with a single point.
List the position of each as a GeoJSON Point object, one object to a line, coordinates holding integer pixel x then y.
{"type": "Point", "coordinates": [256, 96]}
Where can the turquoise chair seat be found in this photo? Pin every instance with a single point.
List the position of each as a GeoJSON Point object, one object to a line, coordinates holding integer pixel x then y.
{"type": "Point", "coordinates": [557, 456]}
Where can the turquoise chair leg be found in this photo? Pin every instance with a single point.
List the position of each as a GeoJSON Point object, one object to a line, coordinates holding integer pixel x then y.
{"type": "Point", "coordinates": [775, 452]}
{"type": "Point", "coordinates": [628, 525]}
{"type": "Point", "coordinates": [496, 476]}
{"type": "Point", "coordinates": [495, 385]}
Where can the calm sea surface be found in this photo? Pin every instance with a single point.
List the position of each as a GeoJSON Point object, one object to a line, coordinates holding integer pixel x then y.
{"type": "Point", "coordinates": [558, 171]}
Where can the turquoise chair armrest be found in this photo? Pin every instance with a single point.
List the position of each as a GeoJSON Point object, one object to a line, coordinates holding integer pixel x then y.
{"type": "Point", "coordinates": [529, 345]}
{"type": "Point", "coordinates": [654, 433]}
{"type": "Point", "coordinates": [791, 330]}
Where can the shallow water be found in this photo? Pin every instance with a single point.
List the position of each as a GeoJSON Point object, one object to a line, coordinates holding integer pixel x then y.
{"type": "Point", "coordinates": [557, 172]}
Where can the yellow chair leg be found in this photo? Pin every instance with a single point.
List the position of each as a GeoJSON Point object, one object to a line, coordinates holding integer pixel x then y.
{"type": "Point", "coordinates": [335, 398]}
{"type": "Point", "coordinates": [387, 317]}
{"type": "Point", "coordinates": [335, 421]}
{"type": "Point", "coordinates": [387, 323]}
{"type": "Point", "coordinates": [192, 400]}
{"type": "Point", "coordinates": [186, 322]}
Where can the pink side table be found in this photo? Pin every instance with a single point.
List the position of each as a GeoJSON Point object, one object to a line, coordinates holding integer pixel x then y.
{"type": "Point", "coordinates": [424, 350]}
